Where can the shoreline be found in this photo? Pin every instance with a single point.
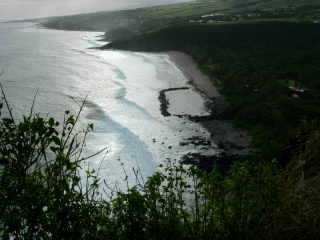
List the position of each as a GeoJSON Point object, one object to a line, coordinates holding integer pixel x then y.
{"type": "Point", "coordinates": [234, 142]}
{"type": "Point", "coordinates": [196, 77]}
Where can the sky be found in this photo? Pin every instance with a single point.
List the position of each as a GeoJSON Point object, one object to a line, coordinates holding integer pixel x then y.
{"type": "Point", "coordinates": [22, 9]}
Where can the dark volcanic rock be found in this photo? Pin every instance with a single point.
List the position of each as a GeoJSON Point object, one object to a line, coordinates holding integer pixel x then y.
{"type": "Point", "coordinates": [197, 141]}
{"type": "Point", "coordinates": [207, 163]}
{"type": "Point", "coordinates": [164, 104]}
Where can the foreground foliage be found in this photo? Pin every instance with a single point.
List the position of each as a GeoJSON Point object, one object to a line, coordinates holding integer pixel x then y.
{"type": "Point", "coordinates": [42, 195]}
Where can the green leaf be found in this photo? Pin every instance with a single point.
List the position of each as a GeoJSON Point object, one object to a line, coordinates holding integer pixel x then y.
{"type": "Point", "coordinates": [51, 122]}
{"type": "Point", "coordinates": [56, 140]}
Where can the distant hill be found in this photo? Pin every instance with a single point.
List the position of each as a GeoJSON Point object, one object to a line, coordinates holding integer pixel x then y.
{"type": "Point", "coordinates": [127, 22]}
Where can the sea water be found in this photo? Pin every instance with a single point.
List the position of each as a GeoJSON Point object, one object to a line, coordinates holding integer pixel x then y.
{"type": "Point", "coordinates": [62, 68]}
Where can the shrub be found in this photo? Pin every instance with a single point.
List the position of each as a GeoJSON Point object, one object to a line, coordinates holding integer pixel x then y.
{"type": "Point", "coordinates": [42, 195]}
{"type": "Point", "coordinates": [41, 192]}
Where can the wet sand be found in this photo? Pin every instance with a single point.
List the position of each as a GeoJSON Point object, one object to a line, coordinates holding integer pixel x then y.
{"type": "Point", "coordinates": [197, 78]}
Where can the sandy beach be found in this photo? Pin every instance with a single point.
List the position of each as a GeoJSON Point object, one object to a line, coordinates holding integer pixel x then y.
{"type": "Point", "coordinates": [197, 78]}
{"type": "Point", "coordinates": [231, 140]}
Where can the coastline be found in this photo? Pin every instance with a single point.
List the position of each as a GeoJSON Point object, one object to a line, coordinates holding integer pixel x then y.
{"type": "Point", "coordinates": [233, 142]}
{"type": "Point", "coordinates": [197, 78]}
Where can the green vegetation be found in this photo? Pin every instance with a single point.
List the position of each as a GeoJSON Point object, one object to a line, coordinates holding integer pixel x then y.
{"type": "Point", "coordinates": [254, 65]}
{"type": "Point", "coordinates": [43, 197]}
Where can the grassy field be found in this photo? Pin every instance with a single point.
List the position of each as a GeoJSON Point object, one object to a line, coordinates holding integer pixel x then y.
{"type": "Point", "coordinates": [268, 71]}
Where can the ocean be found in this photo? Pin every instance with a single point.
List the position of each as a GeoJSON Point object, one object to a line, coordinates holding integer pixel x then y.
{"type": "Point", "coordinates": [62, 68]}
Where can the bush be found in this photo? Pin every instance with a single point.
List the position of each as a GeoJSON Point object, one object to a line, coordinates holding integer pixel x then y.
{"type": "Point", "coordinates": [43, 197]}
{"type": "Point", "coordinates": [41, 191]}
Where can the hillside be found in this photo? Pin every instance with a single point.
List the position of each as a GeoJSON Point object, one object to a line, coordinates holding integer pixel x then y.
{"type": "Point", "coordinates": [137, 21]}
{"type": "Point", "coordinates": [267, 71]}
